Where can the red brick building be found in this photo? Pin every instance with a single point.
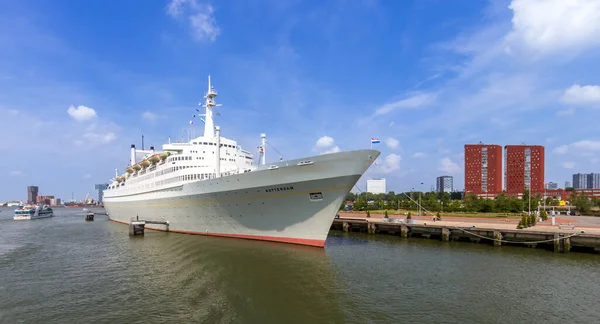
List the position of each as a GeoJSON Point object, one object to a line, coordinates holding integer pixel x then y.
{"type": "Point", "coordinates": [524, 168]}
{"type": "Point", "coordinates": [483, 169]}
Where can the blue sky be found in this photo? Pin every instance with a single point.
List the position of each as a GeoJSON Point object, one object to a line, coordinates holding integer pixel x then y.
{"type": "Point", "coordinates": [80, 81]}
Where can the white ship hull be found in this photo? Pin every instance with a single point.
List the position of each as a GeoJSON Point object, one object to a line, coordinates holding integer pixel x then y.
{"type": "Point", "coordinates": [291, 203]}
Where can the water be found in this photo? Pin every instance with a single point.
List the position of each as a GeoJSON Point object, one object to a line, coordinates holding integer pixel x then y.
{"type": "Point", "coordinates": [66, 270]}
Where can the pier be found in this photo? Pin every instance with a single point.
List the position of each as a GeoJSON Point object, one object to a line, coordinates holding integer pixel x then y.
{"type": "Point", "coordinates": [137, 226]}
{"type": "Point", "coordinates": [558, 238]}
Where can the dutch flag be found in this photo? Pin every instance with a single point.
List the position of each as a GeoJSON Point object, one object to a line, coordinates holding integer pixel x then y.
{"type": "Point", "coordinates": [374, 140]}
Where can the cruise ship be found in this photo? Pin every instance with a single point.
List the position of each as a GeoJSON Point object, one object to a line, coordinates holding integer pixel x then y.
{"type": "Point", "coordinates": [210, 185]}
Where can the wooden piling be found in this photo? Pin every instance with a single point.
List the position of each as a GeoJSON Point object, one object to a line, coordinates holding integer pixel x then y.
{"type": "Point", "coordinates": [497, 238]}
{"type": "Point", "coordinates": [445, 234]}
{"type": "Point", "coordinates": [346, 226]}
{"type": "Point", "coordinates": [403, 230]}
{"type": "Point", "coordinates": [371, 228]}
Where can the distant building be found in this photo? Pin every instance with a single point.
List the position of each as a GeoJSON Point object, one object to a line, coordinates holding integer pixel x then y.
{"type": "Point", "coordinates": [593, 181]}
{"type": "Point", "coordinates": [580, 181]}
{"type": "Point", "coordinates": [551, 185]}
{"type": "Point", "coordinates": [586, 181]}
{"type": "Point", "coordinates": [483, 169]}
{"type": "Point", "coordinates": [32, 194]}
{"type": "Point", "coordinates": [444, 184]}
{"type": "Point", "coordinates": [524, 168]}
{"type": "Point", "coordinates": [567, 184]}
{"type": "Point", "coordinates": [48, 200]}
{"type": "Point", "coordinates": [376, 186]}
{"type": "Point", "coordinates": [100, 187]}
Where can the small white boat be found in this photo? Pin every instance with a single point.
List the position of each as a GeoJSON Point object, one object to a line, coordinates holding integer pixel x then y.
{"type": "Point", "coordinates": [33, 212]}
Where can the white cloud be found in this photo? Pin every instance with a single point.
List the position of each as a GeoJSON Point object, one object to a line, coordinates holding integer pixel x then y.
{"type": "Point", "coordinates": [12, 112]}
{"type": "Point", "coordinates": [415, 101]}
{"type": "Point", "coordinates": [81, 113]}
{"type": "Point", "coordinates": [419, 155]}
{"type": "Point", "coordinates": [392, 143]}
{"type": "Point", "coordinates": [87, 176]}
{"type": "Point", "coordinates": [582, 95]}
{"type": "Point", "coordinates": [99, 138]}
{"type": "Point", "coordinates": [16, 173]}
{"type": "Point", "coordinates": [561, 149]}
{"type": "Point", "coordinates": [546, 26]}
{"type": "Point", "coordinates": [568, 165]}
{"type": "Point", "coordinates": [447, 166]}
{"type": "Point", "coordinates": [150, 115]}
{"type": "Point", "coordinates": [566, 112]}
{"type": "Point", "coordinates": [586, 145]}
{"type": "Point", "coordinates": [200, 17]}
{"type": "Point", "coordinates": [324, 142]}
{"type": "Point", "coordinates": [334, 149]}
{"type": "Point", "coordinates": [585, 148]}
{"type": "Point", "coordinates": [390, 163]}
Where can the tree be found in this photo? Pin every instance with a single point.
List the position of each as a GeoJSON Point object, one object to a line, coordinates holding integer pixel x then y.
{"type": "Point", "coordinates": [368, 214]}
{"type": "Point", "coordinates": [409, 216]}
{"type": "Point", "coordinates": [544, 215]}
{"type": "Point", "coordinates": [501, 203]}
{"type": "Point", "coordinates": [385, 214]}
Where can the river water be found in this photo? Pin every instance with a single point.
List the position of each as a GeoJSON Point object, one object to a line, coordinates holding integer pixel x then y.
{"type": "Point", "coordinates": [66, 270]}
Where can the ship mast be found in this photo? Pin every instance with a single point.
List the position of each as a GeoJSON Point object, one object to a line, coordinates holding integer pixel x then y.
{"type": "Point", "coordinates": [209, 126]}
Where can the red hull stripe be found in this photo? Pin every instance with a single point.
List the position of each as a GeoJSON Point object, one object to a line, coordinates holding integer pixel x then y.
{"type": "Point", "coordinates": [309, 242]}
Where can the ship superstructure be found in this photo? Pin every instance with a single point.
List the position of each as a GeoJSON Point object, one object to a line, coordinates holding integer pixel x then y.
{"type": "Point", "coordinates": [210, 185]}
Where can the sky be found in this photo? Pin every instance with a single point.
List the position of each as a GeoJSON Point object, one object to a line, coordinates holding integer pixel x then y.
{"type": "Point", "coordinates": [80, 81]}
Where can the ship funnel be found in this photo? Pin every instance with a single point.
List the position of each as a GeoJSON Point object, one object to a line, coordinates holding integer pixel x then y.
{"type": "Point", "coordinates": [151, 149]}
{"type": "Point", "coordinates": [132, 162]}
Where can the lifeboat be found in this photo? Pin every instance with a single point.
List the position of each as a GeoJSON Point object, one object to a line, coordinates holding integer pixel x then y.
{"type": "Point", "coordinates": [120, 179]}
{"type": "Point", "coordinates": [137, 167]}
{"type": "Point", "coordinates": [164, 156]}
{"type": "Point", "coordinates": [154, 158]}
{"type": "Point", "coordinates": [145, 163]}
{"type": "Point", "coordinates": [129, 169]}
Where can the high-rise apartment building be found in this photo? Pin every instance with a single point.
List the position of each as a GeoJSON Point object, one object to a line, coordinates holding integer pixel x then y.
{"type": "Point", "coordinates": [444, 184]}
{"type": "Point", "coordinates": [580, 181]}
{"type": "Point", "coordinates": [593, 181]}
{"type": "Point", "coordinates": [32, 194]}
{"type": "Point", "coordinates": [483, 169]}
{"type": "Point", "coordinates": [524, 168]}
{"type": "Point", "coordinates": [586, 180]}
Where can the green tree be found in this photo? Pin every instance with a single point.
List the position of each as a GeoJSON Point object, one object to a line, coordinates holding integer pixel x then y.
{"type": "Point", "coordinates": [544, 215]}
{"type": "Point", "coordinates": [385, 214]}
{"type": "Point", "coordinates": [501, 203]}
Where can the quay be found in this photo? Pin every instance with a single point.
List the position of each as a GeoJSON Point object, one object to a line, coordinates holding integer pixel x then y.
{"type": "Point", "coordinates": [558, 238]}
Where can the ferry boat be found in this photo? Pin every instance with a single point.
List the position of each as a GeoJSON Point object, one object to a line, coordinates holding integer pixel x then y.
{"type": "Point", "coordinates": [210, 185]}
{"type": "Point", "coordinates": [33, 212]}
